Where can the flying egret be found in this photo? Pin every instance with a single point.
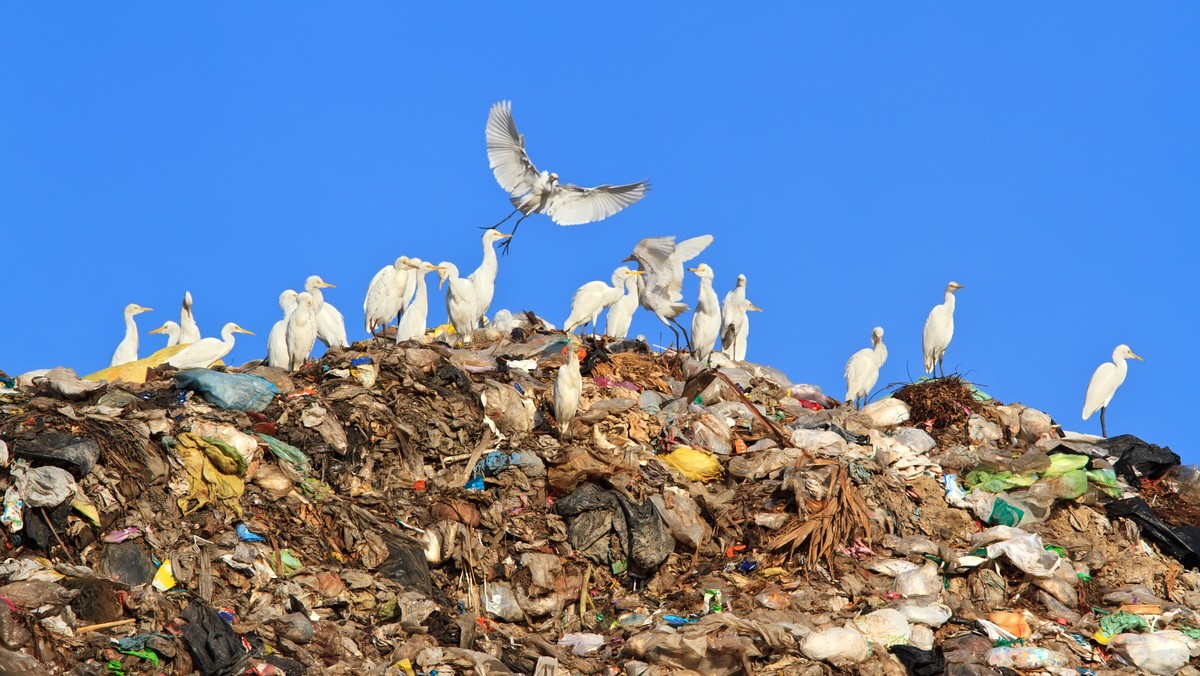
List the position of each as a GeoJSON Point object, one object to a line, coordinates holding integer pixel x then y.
{"type": "Point", "coordinates": [591, 299]}
{"type": "Point", "coordinates": [277, 347]}
{"type": "Point", "coordinates": [388, 293]}
{"type": "Point", "coordinates": [202, 353]}
{"type": "Point", "coordinates": [171, 330]}
{"type": "Point", "coordinates": [661, 289]}
{"type": "Point", "coordinates": [128, 347]}
{"type": "Point", "coordinates": [568, 385]}
{"type": "Point", "coordinates": [484, 277]}
{"type": "Point", "coordinates": [462, 304]}
{"type": "Point", "coordinates": [735, 325]}
{"type": "Point", "coordinates": [188, 331]}
{"type": "Point", "coordinates": [412, 322]}
{"type": "Point", "coordinates": [862, 369]}
{"type": "Point", "coordinates": [1104, 383]}
{"type": "Point", "coordinates": [706, 320]}
{"type": "Point", "coordinates": [331, 327]}
{"type": "Point", "coordinates": [939, 329]}
{"type": "Point", "coordinates": [620, 313]}
{"type": "Point", "coordinates": [539, 192]}
{"type": "Point", "coordinates": [300, 331]}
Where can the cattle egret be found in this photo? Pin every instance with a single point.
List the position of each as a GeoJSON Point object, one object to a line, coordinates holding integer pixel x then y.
{"type": "Point", "coordinates": [661, 289]}
{"type": "Point", "coordinates": [300, 332]}
{"type": "Point", "coordinates": [1104, 383]}
{"type": "Point", "coordinates": [862, 369]}
{"type": "Point", "coordinates": [539, 192]}
{"type": "Point", "coordinates": [568, 385]}
{"type": "Point", "coordinates": [462, 304]}
{"type": "Point", "coordinates": [735, 325]}
{"type": "Point", "coordinates": [203, 353]}
{"type": "Point", "coordinates": [387, 294]}
{"type": "Point", "coordinates": [412, 322]}
{"type": "Point", "coordinates": [484, 277]}
{"type": "Point", "coordinates": [171, 330]}
{"type": "Point", "coordinates": [706, 321]}
{"type": "Point", "coordinates": [331, 327]}
{"type": "Point", "coordinates": [591, 299]}
{"type": "Point", "coordinates": [620, 314]}
{"type": "Point", "coordinates": [188, 331]}
{"type": "Point", "coordinates": [128, 347]}
{"type": "Point", "coordinates": [277, 347]}
{"type": "Point", "coordinates": [939, 329]}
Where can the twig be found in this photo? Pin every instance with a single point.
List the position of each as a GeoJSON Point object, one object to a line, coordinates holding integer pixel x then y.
{"type": "Point", "coordinates": [105, 625]}
{"type": "Point", "coordinates": [50, 525]}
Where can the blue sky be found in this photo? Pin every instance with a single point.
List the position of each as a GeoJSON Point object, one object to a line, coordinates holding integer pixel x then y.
{"type": "Point", "coordinates": [850, 162]}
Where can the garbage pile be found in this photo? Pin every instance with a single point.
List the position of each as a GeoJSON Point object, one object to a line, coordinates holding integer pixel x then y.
{"type": "Point", "coordinates": [413, 509]}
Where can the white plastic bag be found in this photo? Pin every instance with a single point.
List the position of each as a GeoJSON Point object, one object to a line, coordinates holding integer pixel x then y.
{"type": "Point", "coordinates": [923, 581]}
{"type": "Point", "coordinates": [885, 627]}
{"type": "Point", "coordinates": [1163, 652]}
{"type": "Point", "coordinates": [886, 412]}
{"type": "Point", "coordinates": [836, 645]}
{"type": "Point", "coordinates": [929, 614]}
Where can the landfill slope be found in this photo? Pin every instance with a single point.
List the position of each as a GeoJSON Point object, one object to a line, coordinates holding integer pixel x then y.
{"type": "Point", "coordinates": [413, 509]}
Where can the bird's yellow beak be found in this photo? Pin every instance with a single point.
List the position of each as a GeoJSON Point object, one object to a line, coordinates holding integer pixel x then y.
{"type": "Point", "coordinates": [505, 236]}
{"type": "Point", "coordinates": [241, 330]}
{"type": "Point", "coordinates": [959, 286]}
{"type": "Point", "coordinates": [144, 309]}
{"type": "Point", "coordinates": [326, 285]}
{"type": "Point", "coordinates": [755, 308]}
{"type": "Point", "coordinates": [161, 329]}
{"type": "Point", "coordinates": [637, 272]}
{"type": "Point", "coordinates": [1131, 354]}
{"type": "Point", "coordinates": [691, 269]}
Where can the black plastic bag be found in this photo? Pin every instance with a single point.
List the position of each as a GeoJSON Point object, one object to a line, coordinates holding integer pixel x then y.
{"type": "Point", "coordinates": [1181, 542]}
{"type": "Point", "coordinates": [1137, 459]}
{"type": "Point", "coordinates": [592, 513]}
{"type": "Point", "coordinates": [406, 564]}
{"type": "Point", "coordinates": [216, 649]}
{"type": "Point", "coordinates": [919, 662]}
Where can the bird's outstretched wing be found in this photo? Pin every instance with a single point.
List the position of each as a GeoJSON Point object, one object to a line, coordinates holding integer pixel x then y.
{"type": "Point", "coordinates": [572, 205]}
{"type": "Point", "coordinates": [684, 251]}
{"type": "Point", "coordinates": [506, 151]}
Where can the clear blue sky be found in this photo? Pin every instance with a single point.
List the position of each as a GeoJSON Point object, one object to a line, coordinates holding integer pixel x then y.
{"type": "Point", "coordinates": [850, 163]}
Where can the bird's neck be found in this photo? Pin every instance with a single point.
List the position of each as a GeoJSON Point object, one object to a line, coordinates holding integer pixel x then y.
{"type": "Point", "coordinates": [880, 352]}
{"type": "Point", "coordinates": [1122, 367]}
{"type": "Point", "coordinates": [950, 300]}
{"type": "Point", "coordinates": [227, 335]}
{"type": "Point", "coordinates": [130, 328]}
{"type": "Point", "coordinates": [317, 296]}
{"type": "Point", "coordinates": [490, 263]}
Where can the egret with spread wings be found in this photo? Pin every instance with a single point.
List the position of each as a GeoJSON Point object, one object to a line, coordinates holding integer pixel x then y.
{"type": "Point", "coordinates": [539, 192]}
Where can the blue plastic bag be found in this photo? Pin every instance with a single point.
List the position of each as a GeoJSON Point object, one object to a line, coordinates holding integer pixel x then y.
{"type": "Point", "coordinates": [236, 391]}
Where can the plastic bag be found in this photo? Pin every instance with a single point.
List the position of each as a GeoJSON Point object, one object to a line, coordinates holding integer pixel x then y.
{"type": "Point", "coordinates": [1181, 542]}
{"type": "Point", "coordinates": [886, 412]}
{"type": "Point", "coordinates": [836, 645]}
{"type": "Point", "coordinates": [1163, 652]}
{"type": "Point", "coordinates": [1025, 551]}
{"type": "Point", "coordinates": [695, 464]}
{"type": "Point", "coordinates": [682, 516]}
{"type": "Point", "coordinates": [929, 614]}
{"type": "Point", "coordinates": [886, 627]}
{"type": "Point", "coordinates": [920, 582]}
{"type": "Point", "coordinates": [1137, 458]}
{"type": "Point", "coordinates": [230, 391]}
{"type": "Point", "coordinates": [1026, 658]}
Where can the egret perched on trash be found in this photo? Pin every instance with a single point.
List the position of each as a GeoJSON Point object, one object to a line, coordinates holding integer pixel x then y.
{"type": "Point", "coordinates": [939, 329]}
{"type": "Point", "coordinates": [331, 327]}
{"type": "Point", "coordinates": [127, 349]}
{"type": "Point", "coordinates": [203, 353]}
{"type": "Point", "coordinates": [539, 192]}
{"type": "Point", "coordinates": [735, 324]}
{"type": "Point", "coordinates": [620, 313]}
{"type": "Point", "coordinates": [862, 369]}
{"type": "Point", "coordinates": [171, 331]}
{"type": "Point", "coordinates": [591, 299]}
{"type": "Point", "coordinates": [412, 322]}
{"type": "Point", "coordinates": [462, 304]}
{"type": "Point", "coordinates": [568, 386]}
{"type": "Point", "coordinates": [1104, 383]}
{"type": "Point", "coordinates": [484, 277]}
{"type": "Point", "coordinates": [706, 320]}
{"type": "Point", "coordinates": [660, 290]}
{"type": "Point", "coordinates": [300, 332]}
{"type": "Point", "coordinates": [388, 293]}
{"type": "Point", "coordinates": [189, 332]}
{"type": "Point", "coordinates": [277, 347]}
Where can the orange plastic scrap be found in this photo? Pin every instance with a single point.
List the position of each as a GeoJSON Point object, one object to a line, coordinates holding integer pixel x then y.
{"type": "Point", "coordinates": [306, 392]}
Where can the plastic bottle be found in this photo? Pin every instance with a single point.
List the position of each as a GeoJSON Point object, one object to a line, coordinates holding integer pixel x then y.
{"type": "Point", "coordinates": [1026, 658]}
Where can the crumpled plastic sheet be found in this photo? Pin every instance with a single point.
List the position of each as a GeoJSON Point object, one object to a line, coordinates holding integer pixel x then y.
{"type": "Point", "coordinates": [208, 482]}
{"type": "Point", "coordinates": [593, 512]}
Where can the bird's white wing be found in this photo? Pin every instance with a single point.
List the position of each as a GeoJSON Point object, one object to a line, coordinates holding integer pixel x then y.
{"type": "Point", "coordinates": [1103, 384]}
{"type": "Point", "coordinates": [506, 151]}
{"type": "Point", "coordinates": [684, 251]}
{"type": "Point", "coordinates": [572, 205]}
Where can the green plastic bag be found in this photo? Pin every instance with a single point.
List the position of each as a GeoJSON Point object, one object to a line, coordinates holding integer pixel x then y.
{"type": "Point", "coordinates": [1061, 463]}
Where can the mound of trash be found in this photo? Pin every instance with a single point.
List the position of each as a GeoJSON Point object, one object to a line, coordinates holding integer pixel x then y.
{"type": "Point", "coordinates": [413, 509]}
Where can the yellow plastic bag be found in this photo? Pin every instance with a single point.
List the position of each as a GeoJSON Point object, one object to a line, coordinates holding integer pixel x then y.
{"type": "Point", "coordinates": [135, 371]}
{"type": "Point", "coordinates": [695, 464]}
{"type": "Point", "coordinates": [207, 483]}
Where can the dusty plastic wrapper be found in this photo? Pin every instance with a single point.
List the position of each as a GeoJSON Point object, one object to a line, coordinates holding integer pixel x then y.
{"type": "Point", "coordinates": [1162, 653]}
{"type": "Point", "coordinates": [41, 486]}
{"type": "Point", "coordinates": [837, 645]}
{"type": "Point", "coordinates": [230, 391]}
{"type": "Point", "coordinates": [642, 538]}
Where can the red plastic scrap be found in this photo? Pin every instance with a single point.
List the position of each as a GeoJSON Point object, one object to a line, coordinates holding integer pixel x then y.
{"type": "Point", "coordinates": [810, 405]}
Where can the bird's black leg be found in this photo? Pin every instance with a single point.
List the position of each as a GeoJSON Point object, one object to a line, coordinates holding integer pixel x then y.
{"type": "Point", "coordinates": [1103, 431]}
{"type": "Point", "coordinates": [504, 246]}
{"type": "Point", "coordinates": [501, 221]}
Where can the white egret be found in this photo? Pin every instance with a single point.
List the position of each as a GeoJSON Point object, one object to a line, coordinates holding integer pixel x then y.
{"type": "Point", "coordinates": [300, 331]}
{"type": "Point", "coordinates": [189, 332]}
{"type": "Point", "coordinates": [387, 294]}
{"type": "Point", "coordinates": [462, 303]}
{"type": "Point", "coordinates": [661, 289]}
{"type": "Point", "coordinates": [620, 313]}
{"type": "Point", "coordinates": [331, 327]}
{"type": "Point", "coordinates": [412, 322]}
{"type": "Point", "coordinates": [484, 277]}
{"type": "Point", "coordinates": [277, 347]}
{"type": "Point", "coordinates": [735, 324]}
{"type": "Point", "coordinates": [202, 353]}
{"type": "Point", "coordinates": [171, 330]}
{"type": "Point", "coordinates": [939, 329]}
{"type": "Point", "coordinates": [127, 349]}
{"type": "Point", "coordinates": [862, 369]}
{"type": "Point", "coordinates": [568, 385]}
{"type": "Point", "coordinates": [706, 320]}
{"type": "Point", "coordinates": [539, 192]}
{"type": "Point", "coordinates": [591, 299]}
{"type": "Point", "coordinates": [1104, 383]}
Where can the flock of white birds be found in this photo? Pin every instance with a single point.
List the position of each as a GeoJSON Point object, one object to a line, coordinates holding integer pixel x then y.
{"type": "Point", "coordinates": [398, 292]}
